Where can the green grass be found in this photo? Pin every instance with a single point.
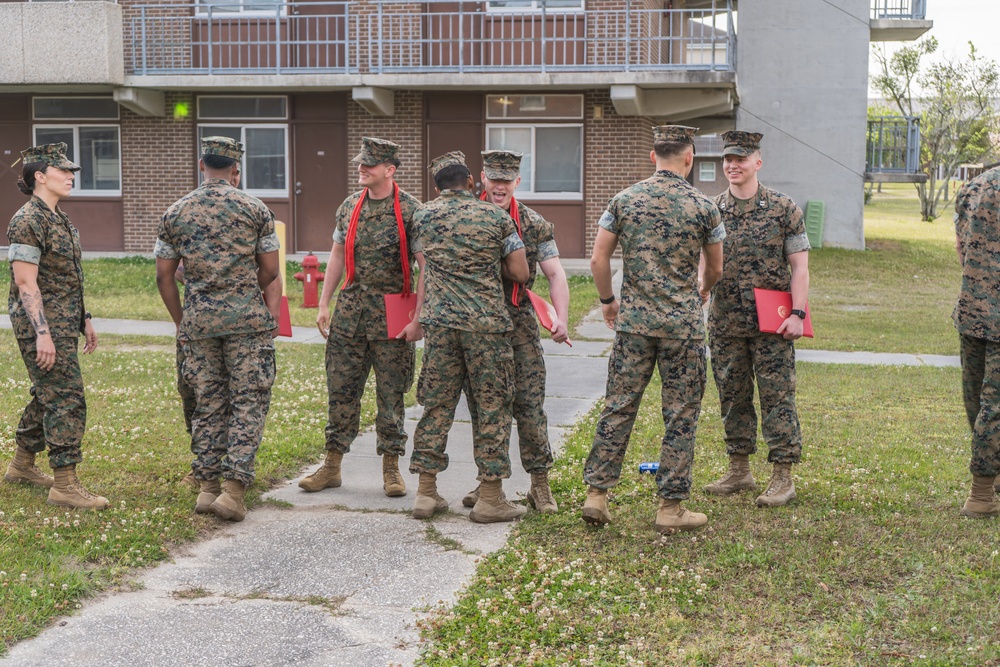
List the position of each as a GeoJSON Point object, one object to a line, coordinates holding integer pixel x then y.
{"type": "Point", "coordinates": [898, 295]}
{"type": "Point", "coordinates": [135, 452]}
{"type": "Point", "coordinates": [870, 566]}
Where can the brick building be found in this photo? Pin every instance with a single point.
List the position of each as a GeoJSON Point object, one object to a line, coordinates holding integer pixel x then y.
{"type": "Point", "coordinates": [574, 84]}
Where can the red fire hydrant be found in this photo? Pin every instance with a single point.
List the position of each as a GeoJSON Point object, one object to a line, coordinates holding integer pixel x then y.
{"type": "Point", "coordinates": [310, 277]}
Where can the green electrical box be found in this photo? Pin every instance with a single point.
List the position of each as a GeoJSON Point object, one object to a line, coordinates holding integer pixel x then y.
{"type": "Point", "coordinates": [815, 212]}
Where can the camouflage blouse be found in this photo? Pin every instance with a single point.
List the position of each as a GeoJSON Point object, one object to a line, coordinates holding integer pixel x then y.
{"type": "Point", "coordinates": [218, 231]}
{"type": "Point", "coordinates": [538, 236]}
{"type": "Point", "coordinates": [759, 240]}
{"type": "Point", "coordinates": [977, 223]}
{"type": "Point", "coordinates": [41, 236]}
{"type": "Point", "coordinates": [464, 240]}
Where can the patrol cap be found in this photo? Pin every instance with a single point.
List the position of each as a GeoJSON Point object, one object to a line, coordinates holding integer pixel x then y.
{"type": "Point", "coordinates": [51, 154]}
{"type": "Point", "coordinates": [223, 147]}
{"type": "Point", "coordinates": [680, 134]}
{"type": "Point", "coordinates": [741, 143]}
{"type": "Point", "coordinates": [447, 160]}
{"type": "Point", "coordinates": [375, 151]}
{"type": "Point", "coordinates": [502, 165]}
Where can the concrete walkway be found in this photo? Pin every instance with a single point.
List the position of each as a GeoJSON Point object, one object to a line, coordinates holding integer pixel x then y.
{"type": "Point", "coordinates": [333, 578]}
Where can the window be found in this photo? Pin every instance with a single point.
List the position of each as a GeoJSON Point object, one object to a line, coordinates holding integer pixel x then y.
{"type": "Point", "coordinates": [533, 5]}
{"type": "Point", "coordinates": [552, 166]}
{"type": "Point", "coordinates": [706, 171]}
{"type": "Point", "coordinates": [226, 107]}
{"type": "Point", "coordinates": [265, 158]}
{"type": "Point", "coordinates": [267, 7]}
{"type": "Point", "coordinates": [517, 107]}
{"type": "Point", "coordinates": [96, 148]}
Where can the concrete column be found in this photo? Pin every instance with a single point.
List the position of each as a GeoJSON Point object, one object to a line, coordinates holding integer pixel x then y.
{"type": "Point", "coordinates": [802, 68]}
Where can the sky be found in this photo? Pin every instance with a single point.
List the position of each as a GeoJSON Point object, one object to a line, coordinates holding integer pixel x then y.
{"type": "Point", "coordinates": [956, 23]}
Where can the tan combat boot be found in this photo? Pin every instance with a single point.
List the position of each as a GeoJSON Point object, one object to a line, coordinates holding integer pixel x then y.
{"type": "Point", "coordinates": [981, 504]}
{"type": "Point", "coordinates": [472, 497]}
{"type": "Point", "coordinates": [428, 502]}
{"type": "Point", "coordinates": [736, 479]}
{"type": "Point", "coordinates": [327, 477]}
{"type": "Point", "coordinates": [780, 489]}
{"type": "Point", "coordinates": [24, 471]}
{"type": "Point", "coordinates": [210, 490]}
{"type": "Point", "coordinates": [493, 506]}
{"type": "Point", "coordinates": [231, 505]}
{"type": "Point", "coordinates": [671, 517]}
{"type": "Point", "coordinates": [189, 481]}
{"type": "Point", "coordinates": [67, 491]}
{"type": "Point", "coordinates": [392, 481]}
{"type": "Point", "coordinates": [595, 507]}
{"type": "Point", "coordinates": [540, 495]}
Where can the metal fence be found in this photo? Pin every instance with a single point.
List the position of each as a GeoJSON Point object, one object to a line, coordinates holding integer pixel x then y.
{"type": "Point", "coordinates": [394, 36]}
{"type": "Point", "coordinates": [893, 145]}
{"type": "Point", "coordinates": [899, 9]}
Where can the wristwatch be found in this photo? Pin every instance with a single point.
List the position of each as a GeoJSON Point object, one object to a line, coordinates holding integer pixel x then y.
{"type": "Point", "coordinates": [609, 300]}
{"type": "Point", "coordinates": [86, 315]}
{"type": "Point", "coordinates": [800, 313]}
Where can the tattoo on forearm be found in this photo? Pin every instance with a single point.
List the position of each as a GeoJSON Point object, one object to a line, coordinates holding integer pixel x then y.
{"type": "Point", "coordinates": [36, 313]}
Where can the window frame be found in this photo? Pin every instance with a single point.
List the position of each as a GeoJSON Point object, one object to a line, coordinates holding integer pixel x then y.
{"type": "Point", "coordinates": [201, 12]}
{"type": "Point", "coordinates": [98, 119]}
{"type": "Point", "coordinates": [540, 117]}
{"type": "Point", "coordinates": [532, 195]}
{"type": "Point", "coordinates": [78, 190]}
{"type": "Point", "coordinates": [715, 171]}
{"type": "Point", "coordinates": [535, 8]}
{"type": "Point", "coordinates": [260, 193]}
{"type": "Point", "coordinates": [263, 119]}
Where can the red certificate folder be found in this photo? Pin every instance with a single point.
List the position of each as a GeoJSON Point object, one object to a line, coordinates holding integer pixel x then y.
{"type": "Point", "coordinates": [774, 307]}
{"type": "Point", "coordinates": [399, 311]}
{"type": "Point", "coordinates": [545, 312]}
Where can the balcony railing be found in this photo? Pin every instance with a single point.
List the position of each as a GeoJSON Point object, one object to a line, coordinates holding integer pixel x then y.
{"type": "Point", "coordinates": [393, 36]}
{"type": "Point", "coordinates": [899, 9]}
{"type": "Point", "coordinates": [893, 145]}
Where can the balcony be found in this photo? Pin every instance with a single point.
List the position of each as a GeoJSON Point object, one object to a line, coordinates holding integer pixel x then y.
{"type": "Point", "coordinates": [898, 20]}
{"type": "Point", "coordinates": [395, 43]}
{"type": "Point", "coordinates": [893, 150]}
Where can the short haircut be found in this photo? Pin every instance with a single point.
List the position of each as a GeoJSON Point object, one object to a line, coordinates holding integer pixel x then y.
{"type": "Point", "coordinates": [219, 162]}
{"type": "Point", "coordinates": [451, 177]}
{"type": "Point", "coordinates": [669, 149]}
{"type": "Point", "coordinates": [394, 161]}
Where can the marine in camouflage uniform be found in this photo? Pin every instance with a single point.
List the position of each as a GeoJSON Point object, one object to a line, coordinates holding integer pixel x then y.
{"type": "Point", "coordinates": [663, 224]}
{"type": "Point", "coordinates": [465, 242]}
{"type": "Point", "coordinates": [227, 242]}
{"type": "Point", "coordinates": [501, 176]}
{"type": "Point", "coordinates": [357, 338]}
{"type": "Point", "coordinates": [765, 234]}
{"type": "Point", "coordinates": [977, 318]}
{"type": "Point", "coordinates": [48, 315]}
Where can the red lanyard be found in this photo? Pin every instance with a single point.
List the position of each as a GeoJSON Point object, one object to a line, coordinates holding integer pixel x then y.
{"type": "Point", "coordinates": [352, 233]}
{"type": "Point", "coordinates": [516, 215]}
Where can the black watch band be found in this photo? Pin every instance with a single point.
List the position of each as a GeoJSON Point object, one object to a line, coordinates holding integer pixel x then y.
{"type": "Point", "coordinates": [608, 301]}
{"type": "Point", "coordinates": [800, 313]}
{"type": "Point", "coordinates": [86, 315]}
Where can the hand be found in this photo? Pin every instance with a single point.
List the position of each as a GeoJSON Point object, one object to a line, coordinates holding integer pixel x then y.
{"type": "Point", "coordinates": [45, 352]}
{"type": "Point", "coordinates": [610, 312]}
{"type": "Point", "coordinates": [323, 321]}
{"type": "Point", "coordinates": [89, 337]}
{"type": "Point", "coordinates": [705, 296]}
{"type": "Point", "coordinates": [411, 333]}
{"type": "Point", "coordinates": [791, 328]}
{"type": "Point", "coordinates": [274, 332]}
{"type": "Point", "coordinates": [560, 332]}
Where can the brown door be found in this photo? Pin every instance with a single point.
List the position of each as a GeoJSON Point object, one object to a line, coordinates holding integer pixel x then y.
{"type": "Point", "coordinates": [321, 164]}
{"type": "Point", "coordinates": [445, 137]}
{"type": "Point", "coordinates": [14, 138]}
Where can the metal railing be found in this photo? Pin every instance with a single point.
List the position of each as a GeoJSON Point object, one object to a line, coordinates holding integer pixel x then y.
{"type": "Point", "coordinates": [899, 9]}
{"type": "Point", "coordinates": [893, 145]}
{"type": "Point", "coordinates": [395, 36]}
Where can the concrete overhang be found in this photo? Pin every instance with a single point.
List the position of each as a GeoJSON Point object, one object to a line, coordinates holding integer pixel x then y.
{"type": "Point", "coordinates": [649, 80]}
{"type": "Point", "coordinates": [672, 104]}
{"type": "Point", "coordinates": [898, 30]}
{"type": "Point", "coordinates": [376, 101]}
{"type": "Point", "coordinates": [141, 101]}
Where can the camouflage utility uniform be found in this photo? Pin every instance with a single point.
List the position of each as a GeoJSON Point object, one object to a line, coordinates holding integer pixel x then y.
{"type": "Point", "coordinates": [57, 413]}
{"type": "Point", "coordinates": [977, 316]}
{"type": "Point", "coordinates": [760, 235]}
{"type": "Point", "coordinates": [466, 330]}
{"type": "Point", "coordinates": [358, 338]}
{"type": "Point", "coordinates": [225, 333]}
{"type": "Point", "coordinates": [538, 236]}
{"type": "Point", "coordinates": [662, 224]}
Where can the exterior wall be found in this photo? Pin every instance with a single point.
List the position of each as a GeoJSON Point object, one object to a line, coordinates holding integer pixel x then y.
{"type": "Point", "coordinates": [617, 155]}
{"type": "Point", "coordinates": [405, 127]}
{"type": "Point", "coordinates": [710, 188]}
{"type": "Point", "coordinates": [812, 114]}
{"type": "Point", "coordinates": [88, 35]}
